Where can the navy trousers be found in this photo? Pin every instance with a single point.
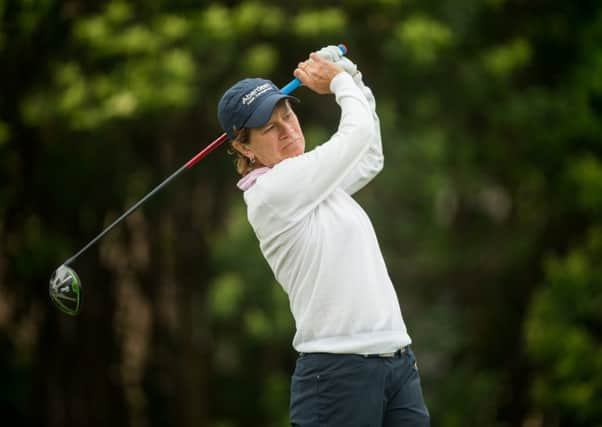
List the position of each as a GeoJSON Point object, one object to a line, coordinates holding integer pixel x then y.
{"type": "Point", "coordinates": [336, 390]}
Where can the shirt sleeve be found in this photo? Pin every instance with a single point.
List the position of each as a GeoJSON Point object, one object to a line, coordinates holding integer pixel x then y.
{"type": "Point", "coordinates": [373, 160]}
{"type": "Point", "coordinates": [296, 185]}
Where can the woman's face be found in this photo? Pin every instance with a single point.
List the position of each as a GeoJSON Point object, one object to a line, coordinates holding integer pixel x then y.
{"type": "Point", "coordinates": [280, 138]}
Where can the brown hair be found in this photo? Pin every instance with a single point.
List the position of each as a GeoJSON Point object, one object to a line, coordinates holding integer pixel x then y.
{"type": "Point", "coordinates": [242, 163]}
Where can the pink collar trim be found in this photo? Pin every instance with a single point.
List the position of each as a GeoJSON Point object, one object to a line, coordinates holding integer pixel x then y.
{"type": "Point", "coordinates": [249, 179]}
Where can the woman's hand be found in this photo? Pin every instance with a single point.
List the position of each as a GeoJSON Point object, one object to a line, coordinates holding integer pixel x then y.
{"type": "Point", "coordinates": [316, 73]}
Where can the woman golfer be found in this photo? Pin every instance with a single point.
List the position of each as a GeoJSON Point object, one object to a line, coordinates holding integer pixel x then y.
{"type": "Point", "coordinates": [355, 366]}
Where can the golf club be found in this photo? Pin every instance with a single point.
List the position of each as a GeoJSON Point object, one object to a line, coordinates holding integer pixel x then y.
{"type": "Point", "coordinates": [65, 285]}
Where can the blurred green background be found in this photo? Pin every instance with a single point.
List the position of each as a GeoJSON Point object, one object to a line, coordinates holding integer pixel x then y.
{"type": "Point", "coordinates": [488, 211]}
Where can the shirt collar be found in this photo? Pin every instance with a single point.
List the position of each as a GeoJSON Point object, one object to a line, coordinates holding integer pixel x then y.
{"type": "Point", "coordinates": [249, 179]}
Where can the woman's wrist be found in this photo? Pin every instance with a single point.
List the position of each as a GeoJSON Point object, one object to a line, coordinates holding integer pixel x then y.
{"type": "Point", "coordinates": [338, 80]}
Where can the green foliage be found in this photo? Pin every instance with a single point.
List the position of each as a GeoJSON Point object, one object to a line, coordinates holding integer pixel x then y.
{"type": "Point", "coordinates": [133, 60]}
{"type": "Point", "coordinates": [503, 60]}
{"type": "Point", "coordinates": [585, 176]}
{"type": "Point", "coordinates": [563, 336]}
{"type": "Point", "coordinates": [324, 23]}
{"type": "Point", "coordinates": [261, 60]}
{"type": "Point", "coordinates": [424, 37]}
{"type": "Point", "coordinates": [225, 296]}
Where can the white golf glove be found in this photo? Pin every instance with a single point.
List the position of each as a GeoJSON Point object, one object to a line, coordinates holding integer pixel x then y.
{"type": "Point", "coordinates": [334, 54]}
{"type": "Point", "coordinates": [331, 53]}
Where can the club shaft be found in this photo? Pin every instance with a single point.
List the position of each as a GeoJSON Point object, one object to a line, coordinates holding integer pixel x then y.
{"type": "Point", "coordinates": [208, 149]}
{"type": "Point", "coordinates": [287, 89]}
{"type": "Point", "coordinates": [126, 214]}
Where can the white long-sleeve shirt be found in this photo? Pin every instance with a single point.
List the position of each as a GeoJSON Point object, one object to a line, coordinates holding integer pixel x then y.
{"type": "Point", "coordinates": [320, 243]}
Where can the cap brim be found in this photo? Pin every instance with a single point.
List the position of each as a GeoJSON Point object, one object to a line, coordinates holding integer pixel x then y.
{"type": "Point", "coordinates": [262, 114]}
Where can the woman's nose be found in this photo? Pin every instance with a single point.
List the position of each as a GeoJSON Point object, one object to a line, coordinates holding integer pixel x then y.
{"type": "Point", "coordinates": [289, 131]}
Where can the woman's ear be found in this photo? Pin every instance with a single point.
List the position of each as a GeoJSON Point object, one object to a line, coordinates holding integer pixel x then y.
{"type": "Point", "coordinates": [243, 149]}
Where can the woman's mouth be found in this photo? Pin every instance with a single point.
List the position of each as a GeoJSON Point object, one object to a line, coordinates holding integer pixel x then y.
{"type": "Point", "coordinates": [294, 141]}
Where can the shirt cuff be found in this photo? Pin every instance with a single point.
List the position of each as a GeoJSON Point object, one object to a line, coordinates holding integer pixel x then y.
{"type": "Point", "coordinates": [339, 80]}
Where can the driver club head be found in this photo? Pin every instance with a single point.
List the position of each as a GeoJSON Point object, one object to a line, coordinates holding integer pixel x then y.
{"type": "Point", "coordinates": [65, 290]}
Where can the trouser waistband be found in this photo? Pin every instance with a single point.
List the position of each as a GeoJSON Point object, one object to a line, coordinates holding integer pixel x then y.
{"type": "Point", "coordinates": [396, 353]}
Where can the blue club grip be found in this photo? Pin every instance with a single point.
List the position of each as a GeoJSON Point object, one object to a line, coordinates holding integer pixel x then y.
{"type": "Point", "coordinates": [295, 83]}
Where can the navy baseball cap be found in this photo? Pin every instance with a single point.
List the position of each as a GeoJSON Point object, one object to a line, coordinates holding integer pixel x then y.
{"type": "Point", "coordinates": [248, 104]}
